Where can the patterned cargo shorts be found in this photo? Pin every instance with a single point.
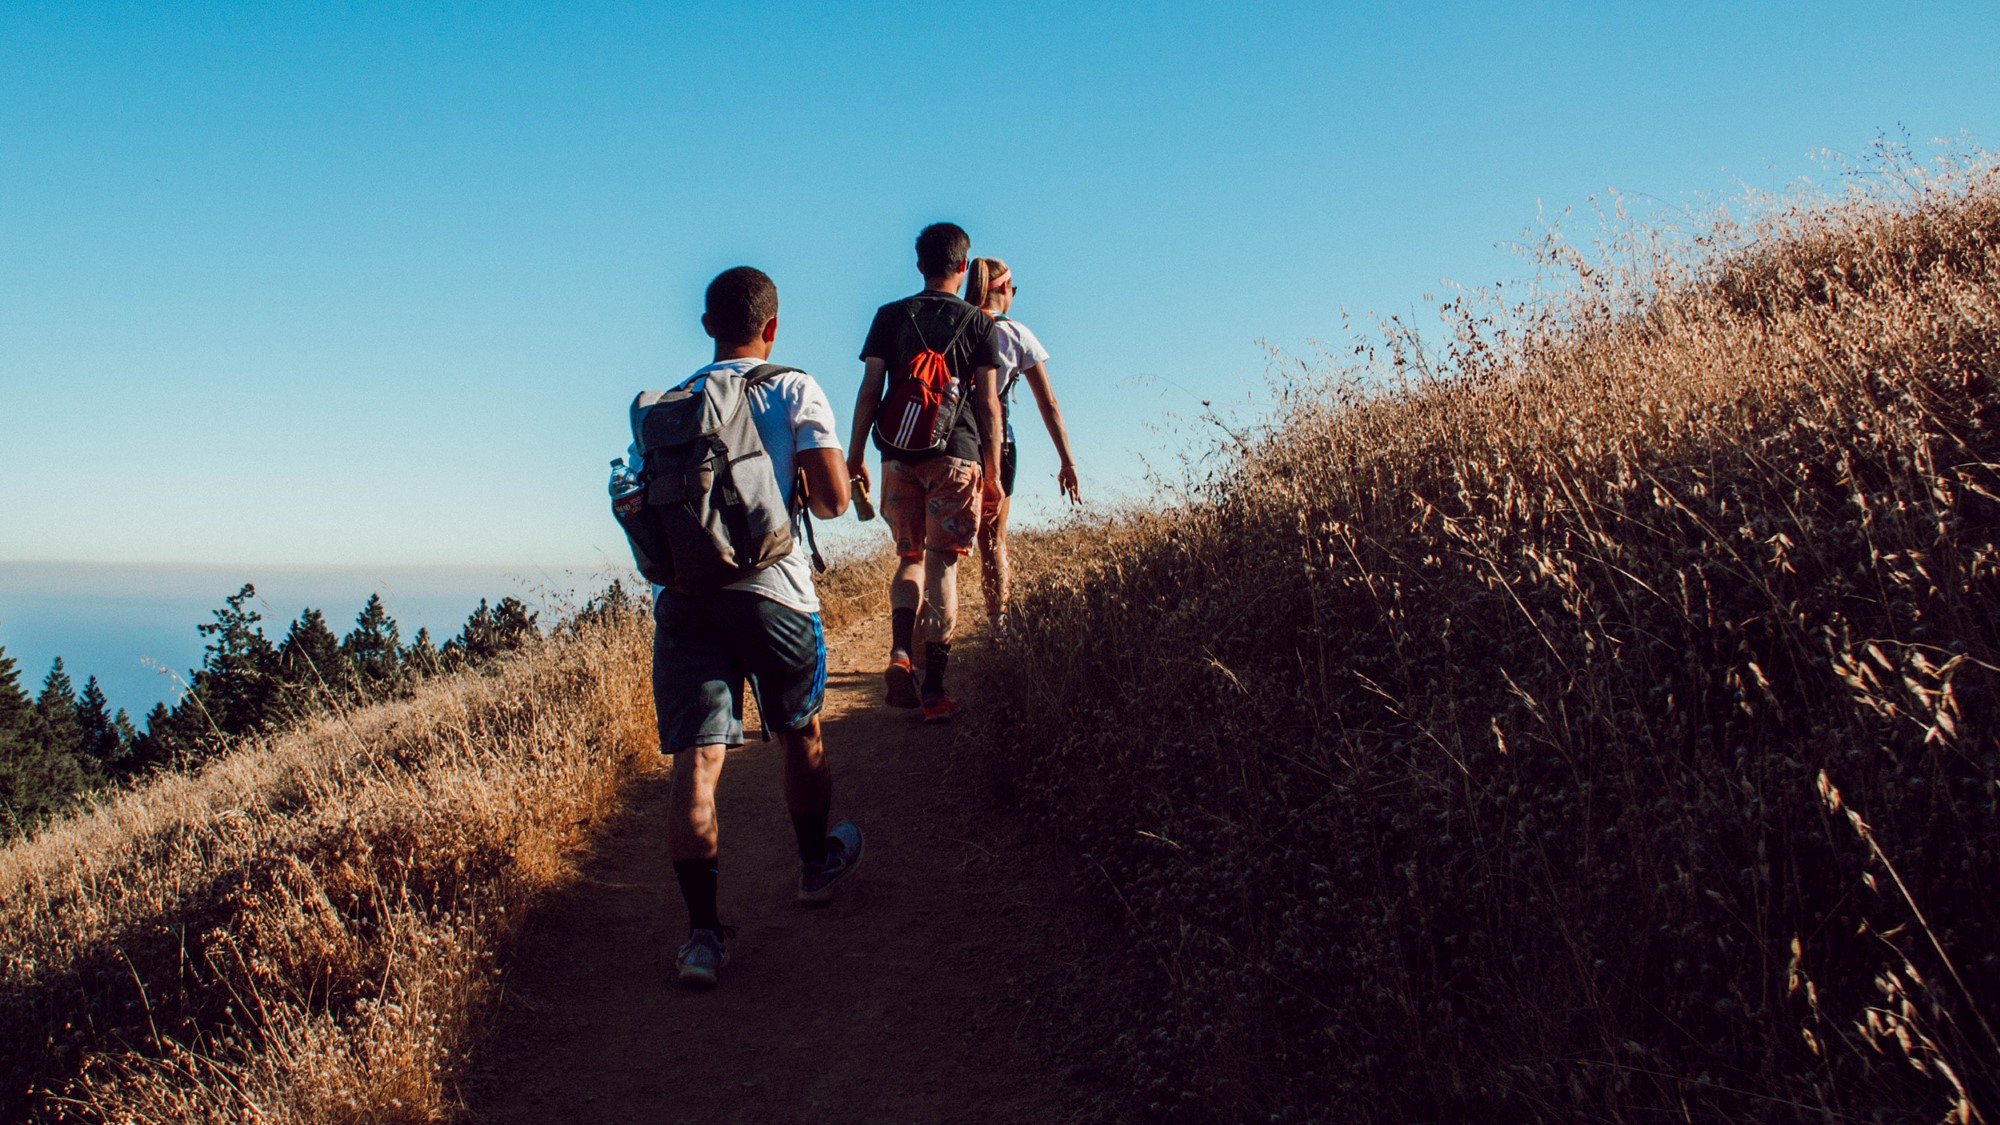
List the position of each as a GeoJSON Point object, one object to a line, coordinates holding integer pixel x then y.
{"type": "Point", "coordinates": [931, 504]}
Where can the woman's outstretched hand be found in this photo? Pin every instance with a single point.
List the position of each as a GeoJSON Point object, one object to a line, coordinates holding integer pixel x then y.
{"type": "Point", "coordinates": [1066, 483]}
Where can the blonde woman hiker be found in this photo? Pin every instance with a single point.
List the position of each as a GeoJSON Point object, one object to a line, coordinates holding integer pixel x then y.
{"type": "Point", "coordinates": [989, 284]}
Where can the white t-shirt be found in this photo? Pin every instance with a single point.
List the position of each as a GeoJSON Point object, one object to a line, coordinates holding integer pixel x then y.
{"type": "Point", "coordinates": [1018, 350]}
{"type": "Point", "coordinates": [792, 415]}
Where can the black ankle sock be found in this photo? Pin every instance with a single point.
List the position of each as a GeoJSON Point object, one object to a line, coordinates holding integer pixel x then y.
{"type": "Point", "coordinates": [697, 880]}
{"type": "Point", "coordinates": [902, 626]}
{"type": "Point", "coordinates": [810, 828]}
{"type": "Point", "coordinates": [936, 656]}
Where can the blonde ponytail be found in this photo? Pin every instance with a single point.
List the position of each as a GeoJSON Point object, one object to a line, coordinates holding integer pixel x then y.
{"type": "Point", "coordinates": [980, 274]}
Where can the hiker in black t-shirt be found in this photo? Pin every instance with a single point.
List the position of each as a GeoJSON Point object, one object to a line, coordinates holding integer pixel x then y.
{"type": "Point", "coordinates": [931, 359]}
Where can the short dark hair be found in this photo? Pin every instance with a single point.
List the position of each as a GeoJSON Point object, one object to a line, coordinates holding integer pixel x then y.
{"type": "Point", "coordinates": [942, 248]}
{"type": "Point", "coordinates": [740, 302]}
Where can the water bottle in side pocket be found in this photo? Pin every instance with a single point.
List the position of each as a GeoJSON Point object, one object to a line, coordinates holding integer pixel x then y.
{"type": "Point", "coordinates": [628, 504]}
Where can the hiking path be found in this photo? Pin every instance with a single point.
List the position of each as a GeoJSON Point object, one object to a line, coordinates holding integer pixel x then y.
{"type": "Point", "coordinates": [929, 991]}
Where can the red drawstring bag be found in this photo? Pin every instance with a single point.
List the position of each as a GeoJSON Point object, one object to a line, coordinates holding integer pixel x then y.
{"type": "Point", "coordinates": [923, 401]}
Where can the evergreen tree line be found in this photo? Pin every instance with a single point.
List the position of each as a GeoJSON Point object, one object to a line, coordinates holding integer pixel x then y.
{"type": "Point", "coordinates": [63, 743]}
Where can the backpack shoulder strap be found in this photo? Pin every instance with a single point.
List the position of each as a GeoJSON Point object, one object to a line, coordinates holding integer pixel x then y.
{"type": "Point", "coordinates": [910, 311]}
{"type": "Point", "coordinates": [962, 323]}
{"type": "Point", "coordinates": [812, 541]}
{"type": "Point", "coordinates": [764, 372]}
{"type": "Point", "coordinates": [966, 375]}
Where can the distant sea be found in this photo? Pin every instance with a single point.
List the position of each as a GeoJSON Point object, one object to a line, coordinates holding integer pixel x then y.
{"type": "Point", "coordinates": [133, 626]}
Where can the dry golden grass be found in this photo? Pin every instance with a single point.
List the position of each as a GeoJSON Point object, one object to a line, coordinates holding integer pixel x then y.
{"type": "Point", "coordinates": [301, 931]}
{"type": "Point", "coordinates": [1592, 719]}
{"type": "Point", "coordinates": [854, 586]}
{"type": "Point", "coordinates": [304, 930]}
{"type": "Point", "coordinates": [1482, 743]}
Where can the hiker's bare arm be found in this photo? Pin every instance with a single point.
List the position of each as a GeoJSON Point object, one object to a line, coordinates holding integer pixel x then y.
{"type": "Point", "coordinates": [864, 417]}
{"type": "Point", "coordinates": [986, 388]}
{"type": "Point", "coordinates": [823, 475]}
{"type": "Point", "coordinates": [1045, 401]}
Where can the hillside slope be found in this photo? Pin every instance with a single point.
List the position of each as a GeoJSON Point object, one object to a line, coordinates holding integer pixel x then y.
{"type": "Point", "coordinates": [459, 908]}
{"type": "Point", "coordinates": [1597, 724]}
{"type": "Point", "coordinates": [301, 931]}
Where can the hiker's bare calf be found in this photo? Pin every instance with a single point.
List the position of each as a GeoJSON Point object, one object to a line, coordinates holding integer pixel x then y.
{"type": "Point", "coordinates": [691, 822]}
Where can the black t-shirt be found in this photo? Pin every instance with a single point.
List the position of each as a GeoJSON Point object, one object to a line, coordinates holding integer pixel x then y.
{"type": "Point", "coordinates": [893, 339]}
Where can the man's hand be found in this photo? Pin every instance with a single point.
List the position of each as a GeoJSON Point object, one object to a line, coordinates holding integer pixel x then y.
{"type": "Point", "coordinates": [857, 467]}
{"type": "Point", "coordinates": [990, 490]}
{"type": "Point", "coordinates": [1066, 483]}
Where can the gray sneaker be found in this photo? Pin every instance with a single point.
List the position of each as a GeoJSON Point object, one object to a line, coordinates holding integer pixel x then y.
{"type": "Point", "coordinates": [704, 952]}
{"type": "Point", "coordinates": [843, 854]}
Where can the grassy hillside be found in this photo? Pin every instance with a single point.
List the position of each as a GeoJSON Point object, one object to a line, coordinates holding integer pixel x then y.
{"type": "Point", "coordinates": [1598, 723]}
{"type": "Point", "coordinates": [301, 931]}
{"type": "Point", "coordinates": [304, 930]}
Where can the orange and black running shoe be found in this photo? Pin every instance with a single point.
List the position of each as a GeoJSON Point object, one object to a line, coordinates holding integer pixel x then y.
{"type": "Point", "coordinates": [901, 680]}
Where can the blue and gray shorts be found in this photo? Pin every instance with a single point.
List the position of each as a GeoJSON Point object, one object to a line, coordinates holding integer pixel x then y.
{"type": "Point", "coordinates": [705, 646]}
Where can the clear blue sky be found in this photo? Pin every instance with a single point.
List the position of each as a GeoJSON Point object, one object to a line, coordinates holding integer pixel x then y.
{"type": "Point", "coordinates": [372, 283]}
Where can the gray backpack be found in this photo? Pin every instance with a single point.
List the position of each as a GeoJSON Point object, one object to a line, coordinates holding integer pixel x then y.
{"type": "Point", "coordinates": [714, 512]}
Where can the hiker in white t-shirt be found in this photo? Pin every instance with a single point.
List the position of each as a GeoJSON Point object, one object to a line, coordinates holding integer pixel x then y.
{"type": "Point", "coordinates": [764, 628]}
{"type": "Point", "coordinates": [989, 284]}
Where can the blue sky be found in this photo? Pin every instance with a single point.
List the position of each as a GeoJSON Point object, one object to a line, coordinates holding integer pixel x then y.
{"type": "Point", "coordinates": [372, 283]}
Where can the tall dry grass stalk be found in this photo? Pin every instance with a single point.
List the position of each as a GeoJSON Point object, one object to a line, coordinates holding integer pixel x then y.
{"type": "Point", "coordinates": [854, 585]}
{"type": "Point", "coordinates": [301, 932]}
{"type": "Point", "coordinates": [1593, 718]}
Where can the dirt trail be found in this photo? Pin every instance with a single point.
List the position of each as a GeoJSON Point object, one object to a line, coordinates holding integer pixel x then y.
{"type": "Point", "coordinates": [920, 995]}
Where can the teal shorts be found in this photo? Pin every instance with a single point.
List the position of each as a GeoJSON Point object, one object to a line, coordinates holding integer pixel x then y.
{"type": "Point", "coordinates": [706, 645]}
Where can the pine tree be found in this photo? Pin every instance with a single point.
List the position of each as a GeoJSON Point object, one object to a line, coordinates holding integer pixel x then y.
{"type": "Point", "coordinates": [491, 632]}
{"type": "Point", "coordinates": [233, 691]}
{"type": "Point", "coordinates": [128, 737]}
{"type": "Point", "coordinates": [421, 659]}
{"type": "Point", "coordinates": [312, 667]}
{"type": "Point", "coordinates": [16, 713]}
{"type": "Point", "coordinates": [374, 649]}
{"type": "Point", "coordinates": [102, 740]}
{"type": "Point", "coordinates": [475, 644]}
{"type": "Point", "coordinates": [56, 724]}
{"type": "Point", "coordinates": [514, 625]}
{"type": "Point", "coordinates": [160, 741]}
{"type": "Point", "coordinates": [16, 746]}
{"type": "Point", "coordinates": [35, 782]}
{"type": "Point", "coordinates": [615, 602]}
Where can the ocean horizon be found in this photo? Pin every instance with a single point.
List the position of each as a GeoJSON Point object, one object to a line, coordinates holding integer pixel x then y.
{"type": "Point", "coordinates": [133, 625]}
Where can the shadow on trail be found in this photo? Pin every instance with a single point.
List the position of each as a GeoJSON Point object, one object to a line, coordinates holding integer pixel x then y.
{"type": "Point", "coordinates": [912, 997]}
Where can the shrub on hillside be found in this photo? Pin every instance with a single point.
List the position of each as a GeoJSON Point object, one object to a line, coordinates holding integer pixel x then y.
{"type": "Point", "coordinates": [1599, 723]}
